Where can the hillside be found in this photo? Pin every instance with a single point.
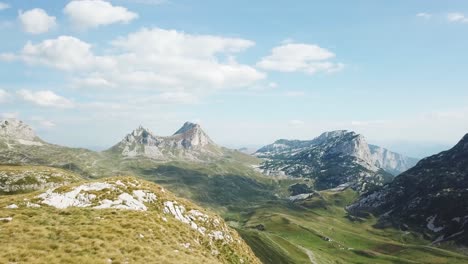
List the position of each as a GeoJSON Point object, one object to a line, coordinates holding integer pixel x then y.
{"type": "Point", "coordinates": [319, 230]}
{"type": "Point", "coordinates": [189, 143]}
{"type": "Point", "coordinates": [114, 220]}
{"type": "Point", "coordinates": [338, 158]}
{"type": "Point", "coordinates": [431, 197]}
{"type": "Point", "coordinates": [23, 179]}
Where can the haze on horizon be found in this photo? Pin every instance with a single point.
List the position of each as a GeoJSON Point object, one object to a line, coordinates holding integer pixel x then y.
{"type": "Point", "coordinates": [394, 72]}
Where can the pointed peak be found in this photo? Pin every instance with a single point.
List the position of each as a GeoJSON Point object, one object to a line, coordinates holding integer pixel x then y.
{"type": "Point", "coordinates": [462, 144]}
{"type": "Point", "coordinates": [336, 133]}
{"type": "Point", "coordinates": [141, 131]}
{"type": "Point", "coordinates": [15, 128]}
{"type": "Point", "coordinates": [188, 126]}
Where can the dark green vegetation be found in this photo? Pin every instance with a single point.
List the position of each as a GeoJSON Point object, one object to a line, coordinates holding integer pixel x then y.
{"type": "Point", "coordinates": [337, 158]}
{"type": "Point", "coordinates": [319, 229]}
{"type": "Point", "coordinates": [292, 232]}
{"type": "Point", "coordinates": [33, 232]}
{"type": "Point", "coordinates": [312, 229]}
{"type": "Point", "coordinates": [431, 198]}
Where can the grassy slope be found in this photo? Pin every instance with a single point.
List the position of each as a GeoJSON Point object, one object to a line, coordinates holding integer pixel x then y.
{"type": "Point", "coordinates": [312, 223]}
{"type": "Point", "coordinates": [246, 199]}
{"type": "Point", "coordinates": [84, 235]}
{"type": "Point", "coordinates": [23, 179]}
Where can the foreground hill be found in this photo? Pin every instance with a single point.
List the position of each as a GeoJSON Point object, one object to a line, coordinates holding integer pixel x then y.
{"type": "Point", "coordinates": [20, 145]}
{"type": "Point", "coordinates": [23, 179]}
{"type": "Point", "coordinates": [431, 197]}
{"type": "Point", "coordinates": [318, 230]}
{"type": "Point", "coordinates": [190, 142]}
{"type": "Point", "coordinates": [333, 159]}
{"type": "Point", "coordinates": [114, 220]}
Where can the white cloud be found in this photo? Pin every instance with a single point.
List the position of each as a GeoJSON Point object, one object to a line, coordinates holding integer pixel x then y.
{"type": "Point", "coordinates": [457, 17]}
{"type": "Point", "coordinates": [45, 98]}
{"type": "Point", "coordinates": [272, 85]}
{"type": "Point", "coordinates": [149, 2]}
{"type": "Point", "coordinates": [65, 53]}
{"type": "Point", "coordinates": [294, 93]}
{"type": "Point", "coordinates": [293, 57]}
{"type": "Point", "coordinates": [176, 98]}
{"type": "Point", "coordinates": [4, 96]}
{"type": "Point", "coordinates": [424, 15]}
{"type": "Point", "coordinates": [170, 61]}
{"type": "Point", "coordinates": [296, 123]}
{"type": "Point", "coordinates": [4, 6]}
{"type": "Point", "coordinates": [42, 123]}
{"type": "Point", "coordinates": [94, 13]}
{"type": "Point", "coordinates": [9, 115]}
{"type": "Point", "coordinates": [36, 21]}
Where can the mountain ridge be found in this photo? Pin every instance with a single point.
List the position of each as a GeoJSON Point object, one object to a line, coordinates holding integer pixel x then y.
{"type": "Point", "coordinates": [431, 197]}
{"type": "Point", "coordinates": [334, 158]}
{"type": "Point", "coordinates": [190, 142]}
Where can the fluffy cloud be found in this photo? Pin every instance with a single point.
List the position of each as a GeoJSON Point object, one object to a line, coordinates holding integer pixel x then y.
{"type": "Point", "coordinates": [9, 115]}
{"type": "Point", "coordinates": [292, 57]}
{"type": "Point", "coordinates": [169, 62]}
{"type": "Point", "coordinates": [4, 6]}
{"type": "Point", "coordinates": [94, 13]}
{"type": "Point", "coordinates": [424, 15]}
{"type": "Point", "coordinates": [36, 21]}
{"type": "Point", "coordinates": [45, 98]}
{"type": "Point", "coordinates": [296, 123]}
{"type": "Point", "coordinates": [457, 17]}
{"type": "Point", "coordinates": [148, 2]}
{"type": "Point", "coordinates": [4, 95]}
{"type": "Point", "coordinates": [65, 53]}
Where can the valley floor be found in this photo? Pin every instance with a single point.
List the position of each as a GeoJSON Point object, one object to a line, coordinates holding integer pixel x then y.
{"type": "Point", "coordinates": [318, 231]}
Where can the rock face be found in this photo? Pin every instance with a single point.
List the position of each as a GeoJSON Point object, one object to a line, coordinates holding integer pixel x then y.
{"type": "Point", "coordinates": [391, 162]}
{"type": "Point", "coordinates": [23, 179]}
{"type": "Point", "coordinates": [124, 211]}
{"type": "Point", "coordinates": [189, 142]}
{"type": "Point", "coordinates": [334, 158]}
{"type": "Point", "coordinates": [19, 132]}
{"type": "Point", "coordinates": [431, 197]}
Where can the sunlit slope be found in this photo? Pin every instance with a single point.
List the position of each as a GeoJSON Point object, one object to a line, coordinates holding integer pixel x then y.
{"type": "Point", "coordinates": [318, 230]}
{"type": "Point", "coordinates": [114, 220]}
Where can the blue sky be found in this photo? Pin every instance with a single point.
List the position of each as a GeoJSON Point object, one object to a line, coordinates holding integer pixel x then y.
{"type": "Point", "coordinates": [85, 73]}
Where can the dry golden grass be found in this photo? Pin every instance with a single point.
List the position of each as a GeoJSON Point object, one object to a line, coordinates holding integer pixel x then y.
{"type": "Point", "coordinates": [85, 235]}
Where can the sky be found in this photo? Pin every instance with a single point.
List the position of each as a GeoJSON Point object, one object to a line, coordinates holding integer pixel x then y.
{"type": "Point", "coordinates": [85, 73]}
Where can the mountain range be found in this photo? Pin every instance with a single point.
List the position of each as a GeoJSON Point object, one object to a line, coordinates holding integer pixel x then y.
{"type": "Point", "coordinates": [294, 201]}
{"type": "Point", "coordinates": [334, 158]}
{"type": "Point", "coordinates": [64, 218]}
{"type": "Point", "coordinates": [190, 142]}
{"type": "Point", "coordinates": [431, 197]}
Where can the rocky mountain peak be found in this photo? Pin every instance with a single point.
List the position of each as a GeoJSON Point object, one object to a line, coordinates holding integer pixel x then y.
{"type": "Point", "coordinates": [189, 142]}
{"type": "Point", "coordinates": [188, 126]}
{"type": "Point", "coordinates": [140, 131]}
{"type": "Point", "coordinates": [16, 129]}
{"type": "Point", "coordinates": [192, 136]}
{"type": "Point", "coordinates": [463, 143]}
{"type": "Point", "coordinates": [335, 134]}
{"type": "Point", "coordinates": [427, 197]}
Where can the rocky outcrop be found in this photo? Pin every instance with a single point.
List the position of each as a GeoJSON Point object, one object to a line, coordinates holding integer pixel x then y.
{"type": "Point", "coordinates": [16, 131]}
{"type": "Point", "coordinates": [190, 142]}
{"type": "Point", "coordinates": [431, 197]}
{"type": "Point", "coordinates": [334, 158]}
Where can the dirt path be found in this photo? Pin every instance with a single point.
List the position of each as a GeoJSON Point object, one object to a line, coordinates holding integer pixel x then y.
{"type": "Point", "coordinates": [310, 254]}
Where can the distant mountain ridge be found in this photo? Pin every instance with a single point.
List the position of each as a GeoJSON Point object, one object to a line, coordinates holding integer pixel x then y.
{"type": "Point", "coordinates": [189, 142]}
{"type": "Point", "coordinates": [334, 158]}
{"type": "Point", "coordinates": [431, 197]}
{"type": "Point", "coordinates": [19, 132]}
